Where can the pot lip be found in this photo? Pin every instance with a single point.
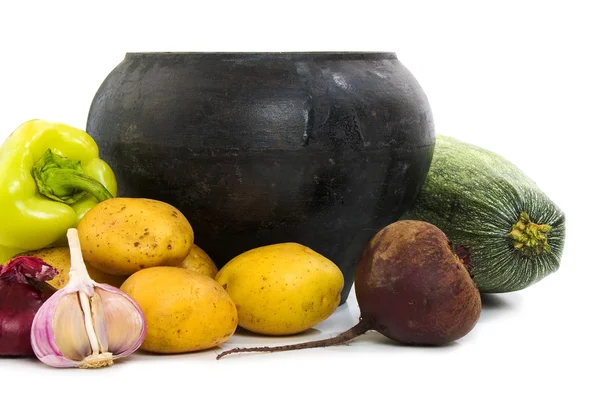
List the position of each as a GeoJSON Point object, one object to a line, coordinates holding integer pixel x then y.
{"type": "Point", "coordinates": [271, 55]}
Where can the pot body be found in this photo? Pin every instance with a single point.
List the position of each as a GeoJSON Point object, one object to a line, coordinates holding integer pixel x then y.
{"type": "Point", "coordinates": [322, 149]}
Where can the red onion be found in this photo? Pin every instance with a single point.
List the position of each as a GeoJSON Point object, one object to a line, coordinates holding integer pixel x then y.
{"type": "Point", "coordinates": [22, 292]}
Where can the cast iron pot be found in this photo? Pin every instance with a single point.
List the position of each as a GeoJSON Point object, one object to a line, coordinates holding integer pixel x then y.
{"type": "Point", "coordinates": [322, 149]}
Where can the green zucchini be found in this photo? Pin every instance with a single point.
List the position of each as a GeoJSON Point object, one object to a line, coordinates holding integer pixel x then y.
{"type": "Point", "coordinates": [507, 231]}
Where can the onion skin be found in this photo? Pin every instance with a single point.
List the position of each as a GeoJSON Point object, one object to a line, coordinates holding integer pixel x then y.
{"type": "Point", "coordinates": [413, 288]}
{"type": "Point", "coordinates": [20, 301]}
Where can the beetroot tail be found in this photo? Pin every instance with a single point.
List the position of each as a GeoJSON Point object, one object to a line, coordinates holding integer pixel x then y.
{"type": "Point", "coordinates": [362, 327]}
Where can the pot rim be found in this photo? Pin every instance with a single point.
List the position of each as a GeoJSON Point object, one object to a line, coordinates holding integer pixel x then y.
{"type": "Point", "coordinates": [295, 55]}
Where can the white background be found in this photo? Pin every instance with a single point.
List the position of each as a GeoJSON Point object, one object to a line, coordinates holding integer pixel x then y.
{"type": "Point", "coordinates": [519, 78]}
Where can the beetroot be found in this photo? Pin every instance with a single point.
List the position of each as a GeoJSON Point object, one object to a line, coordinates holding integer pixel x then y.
{"type": "Point", "coordinates": [413, 288]}
{"type": "Point", "coordinates": [410, 287]}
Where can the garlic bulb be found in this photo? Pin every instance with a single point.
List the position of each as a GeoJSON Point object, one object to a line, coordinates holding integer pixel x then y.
{"type": "Point", "coordinates": [86, 324]}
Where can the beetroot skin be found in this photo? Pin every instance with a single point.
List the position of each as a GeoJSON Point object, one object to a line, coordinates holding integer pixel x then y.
{"type": "Point", "coordinates": [413, 287]}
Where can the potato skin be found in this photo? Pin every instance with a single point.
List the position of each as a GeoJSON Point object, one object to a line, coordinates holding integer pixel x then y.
{"type": "Point", "coordinates": [198, 260]}
{"type": "Point", "coordinates": [124, 235]}
{"type": "Point", "coordinates": [282, 289]}
{"type": "Point", "coordinates": [60, 259]}
{"type": "Point", "coordinates": [185, 311]}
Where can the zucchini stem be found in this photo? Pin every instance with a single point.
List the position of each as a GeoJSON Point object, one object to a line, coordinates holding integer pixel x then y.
{"type": "Point", "coordinates": [529, 237]}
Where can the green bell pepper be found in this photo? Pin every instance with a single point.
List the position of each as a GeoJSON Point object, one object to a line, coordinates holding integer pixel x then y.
{"type": "Point", "coordinates": [50, 176]}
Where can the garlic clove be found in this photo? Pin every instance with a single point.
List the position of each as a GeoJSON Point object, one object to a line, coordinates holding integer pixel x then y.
{"type": "Point", "coordinates": [42, 333]}
{"type": "Point", "coordinates": [69, 329]}
{"type": "Point", "coordinates": [99, 322]}
{"type": "Point", "coordinates": [124, 323]}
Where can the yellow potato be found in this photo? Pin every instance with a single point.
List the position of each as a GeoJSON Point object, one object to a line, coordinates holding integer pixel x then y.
{"type": "Point", "coordinates": [60, 259]}
{"type": "Point", "coordinates": [185, 311]}
{"type": "Point", "coordinates": [124, 235]}
{"type": "Point", "coordinates": [282, 289]}
{"type": "Point", "coordinates": [199, 261]}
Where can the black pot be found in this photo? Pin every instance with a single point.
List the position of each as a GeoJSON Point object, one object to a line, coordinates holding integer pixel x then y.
{"type": "Point", "coordinates": [323, 149]}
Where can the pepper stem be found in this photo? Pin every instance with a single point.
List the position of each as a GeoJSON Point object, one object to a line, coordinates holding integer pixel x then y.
{"type": "Point", "coordinates": [529, 237]}
{"type": "Point", "coordinates": [63, 180]}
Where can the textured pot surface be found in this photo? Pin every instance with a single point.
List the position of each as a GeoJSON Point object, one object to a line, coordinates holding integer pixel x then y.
{"type": "Point", "coordinates": [323, 149]}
